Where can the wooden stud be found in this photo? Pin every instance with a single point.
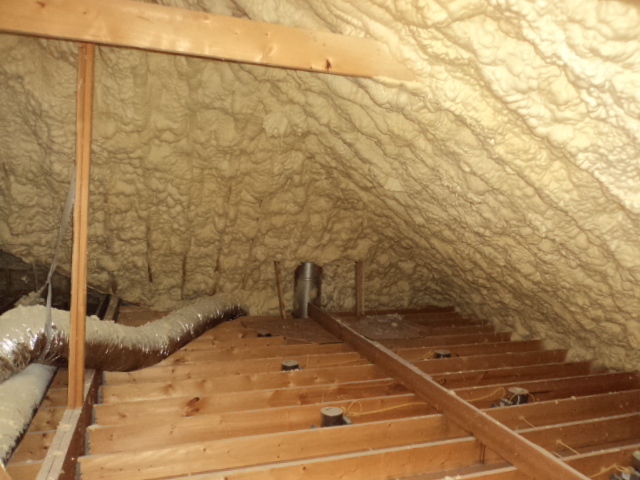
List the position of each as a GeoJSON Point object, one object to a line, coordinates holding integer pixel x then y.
{"type": "Point", "coordinates": [86, 55]}
{"type": "Point", "coordinates": [437, 340]}
{"type": "Point", "coordinates": [529, 458]}
{"type": "Point", "coordinates": [359, 289]}
{"type": "Point", "coordinates": [276, 266]}
{"type": "Point", "coordinates": [134, 24]}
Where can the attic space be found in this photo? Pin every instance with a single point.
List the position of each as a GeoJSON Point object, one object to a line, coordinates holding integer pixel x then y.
{"type": "Point", "coordinates": [502, 179]}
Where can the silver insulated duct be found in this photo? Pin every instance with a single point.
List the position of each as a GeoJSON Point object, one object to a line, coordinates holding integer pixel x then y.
{"type": "Point", "coordinates": [109, 346]}
{"type": "Point", "coordinates": [308, 286]}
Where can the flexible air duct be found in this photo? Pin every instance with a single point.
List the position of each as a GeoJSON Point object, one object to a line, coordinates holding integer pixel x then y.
{"type": "Point", "coordinates": [109, 346]}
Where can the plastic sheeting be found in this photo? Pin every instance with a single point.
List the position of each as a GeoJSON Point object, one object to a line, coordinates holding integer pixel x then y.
{"type": "Point", "coordinates": [109, 346]}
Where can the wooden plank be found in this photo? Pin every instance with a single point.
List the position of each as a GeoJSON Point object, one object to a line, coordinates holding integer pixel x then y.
{"type": "Point", "coordinates": [510, 375]}
{"type": "Point", "coordinates": [169, 408]}
{"type": "Point", "coordinates": [86, 53]}
{"type": "Point", "coordinates": [232, 367]}
{"type": "Point", "coordinates": [276, 266]}
{"type": "Point", "coordinates": [569, 409]}
{"type": "Point", "coordinates": [239, 383]}
{"type": "Point", "coordinates": [481, 362]}
{"type": "Point", "coordinates": [166, 29]}
{"type": "Point", "coordinates": [163, 433]}
{"type": "Point", "coordinates": [284, 447]}
{"type": "Point", "coordinates": [68, 442]}
{"type": "Point", "coordinates": [447, 340]}
{"type": "Point", "coordinates": [244, 343]}
{"type": "Point", "coordinates": [359, 289]}
{"type": "Point", "coordinates": [33, 446]}
{"type": "Point", "coordinates": [425, 353]}
{"type": "Point", "coordinates": [401, 311]}
{"type": "Point", "coordinates": [55, 397]}
{"type": "Point", "coordinates": [543, 390]}
{"type": "Point", "coordinates": [237, 452]}
{"type": "Point", "coordinates": [525, 455]}
{"type": "Point", "coordinates": [24, 470]}
{"type": "Point", "coordinates": [181, 358]}
{"type": "Point", "coordinates": [47, 418]}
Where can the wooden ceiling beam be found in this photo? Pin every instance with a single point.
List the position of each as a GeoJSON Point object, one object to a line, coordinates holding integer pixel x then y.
{"type": "Point", "coordinates": [523, 454]}
{"type": "Point", "coordinates": [127, 23]}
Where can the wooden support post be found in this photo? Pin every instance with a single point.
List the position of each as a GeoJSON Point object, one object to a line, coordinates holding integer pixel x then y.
{"type": "Point", "coordinates": [86, 55]}
{"type": "Point", "coordinates": [360, 289]}
{"type": "Point", "coordinates": [531, 459]}
{"type": "Point", "coordinates": [276, 265]}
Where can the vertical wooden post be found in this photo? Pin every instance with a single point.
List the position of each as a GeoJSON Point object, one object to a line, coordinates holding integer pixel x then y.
{"type": "Point", "coordinates": [359, 289]}
{"type": "Point", "coordinates": [84, 99]}
{"type": "Point", "coordinates": [276, 265]}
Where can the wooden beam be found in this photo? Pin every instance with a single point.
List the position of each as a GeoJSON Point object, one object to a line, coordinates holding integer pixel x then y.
{"type": "Point", "coordinates": [128, 23]}
{"type": "Point", "coordinates": [68, 441]}
{"type": "Point", "coordinates": [197, 356]}
{"type": "Point", "coordinates": [232, 367]}
{"type": "Point", "coordinates": [276, 266]}
{"type": "Point", "coordinates": [462, 339]}
{"type": "Point", "coordinates": [170, 408]}
{"type": "Point", "coordinates": [161, 433]}
{"type": "Point", "coordinates": [239, 383]}
{"type": "Point", "coordinates": [359, 289]}
{"type": "Point", "coordinates": [86, 53]}
{"type": "Point", "coordinates": [528, 457]}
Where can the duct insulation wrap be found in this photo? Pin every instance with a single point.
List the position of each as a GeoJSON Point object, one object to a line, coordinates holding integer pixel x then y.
{"type": "Point", "coordinates": [109, 346]}
{"type": "Point", "coordinates": [20, 396]}
{"type": "Point", "coordinates": [308, 288]}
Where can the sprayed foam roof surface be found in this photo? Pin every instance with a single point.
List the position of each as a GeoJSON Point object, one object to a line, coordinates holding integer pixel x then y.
{"type": "Point", "coordinates": [504, 180]}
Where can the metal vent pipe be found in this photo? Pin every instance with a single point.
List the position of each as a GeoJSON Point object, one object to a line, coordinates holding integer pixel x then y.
{"type": "Point", "coordinates": [308, 287]}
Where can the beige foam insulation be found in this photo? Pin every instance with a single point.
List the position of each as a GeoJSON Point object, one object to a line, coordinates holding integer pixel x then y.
{"type": "Point", "coordinates": [504, 180]}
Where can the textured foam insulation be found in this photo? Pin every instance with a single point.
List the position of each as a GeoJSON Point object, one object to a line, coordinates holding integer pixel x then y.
{"type": "Point", "coordinates": [504, 180]}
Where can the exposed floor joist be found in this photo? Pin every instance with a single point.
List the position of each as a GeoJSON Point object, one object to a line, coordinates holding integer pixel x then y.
{"type": "Point", "coordinates": [129, 23]}
{"type": "Point", "coordinates": [256, 423]}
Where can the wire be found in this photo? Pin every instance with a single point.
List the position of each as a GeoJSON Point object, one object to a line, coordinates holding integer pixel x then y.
{"type": "Point", "coordinates": [349, 413]}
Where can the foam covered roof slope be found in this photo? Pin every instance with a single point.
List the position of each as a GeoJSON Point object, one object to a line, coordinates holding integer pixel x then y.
{"type": "Point", "coordinates": [504, 180]}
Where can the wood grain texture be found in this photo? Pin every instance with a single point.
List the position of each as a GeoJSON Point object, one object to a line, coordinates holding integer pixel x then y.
{"type": "Point", "coordinates": [134, 24]}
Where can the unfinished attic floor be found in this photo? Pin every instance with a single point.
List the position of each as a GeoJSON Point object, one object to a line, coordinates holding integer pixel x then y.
{"type": "Point", "coordinates": [221, 408]}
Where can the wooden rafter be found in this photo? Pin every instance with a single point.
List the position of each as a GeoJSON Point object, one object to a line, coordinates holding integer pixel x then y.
{"type": "Point", "coordinates": [128, 23]}
{"type": "Point", "coordinates": [522, 453]}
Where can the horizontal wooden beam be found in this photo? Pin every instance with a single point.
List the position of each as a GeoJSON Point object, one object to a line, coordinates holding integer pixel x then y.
{"type": "Point", "coordinates": [180, 357]}
{"type": "Point", "coordinates": [171, 408]}
{"type": "Point", "coordinates": [128, 23]}
{"type": "Point", "coordinates": [239, 383]}
{"type": "Point", "coordinates": [162, 433]}
{"type": "Point", "coordinates": [447, 340]}
{"type": "Point", "coordinates": [523, 454]}
{"type": "Point", "coordinates": [232, 367]}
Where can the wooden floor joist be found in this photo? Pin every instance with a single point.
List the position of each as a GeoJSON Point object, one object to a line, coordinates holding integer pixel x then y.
{"type": "Point", "coordinates": [529, 458]}
{"type": "Point", "coordinates": [223, 409]}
